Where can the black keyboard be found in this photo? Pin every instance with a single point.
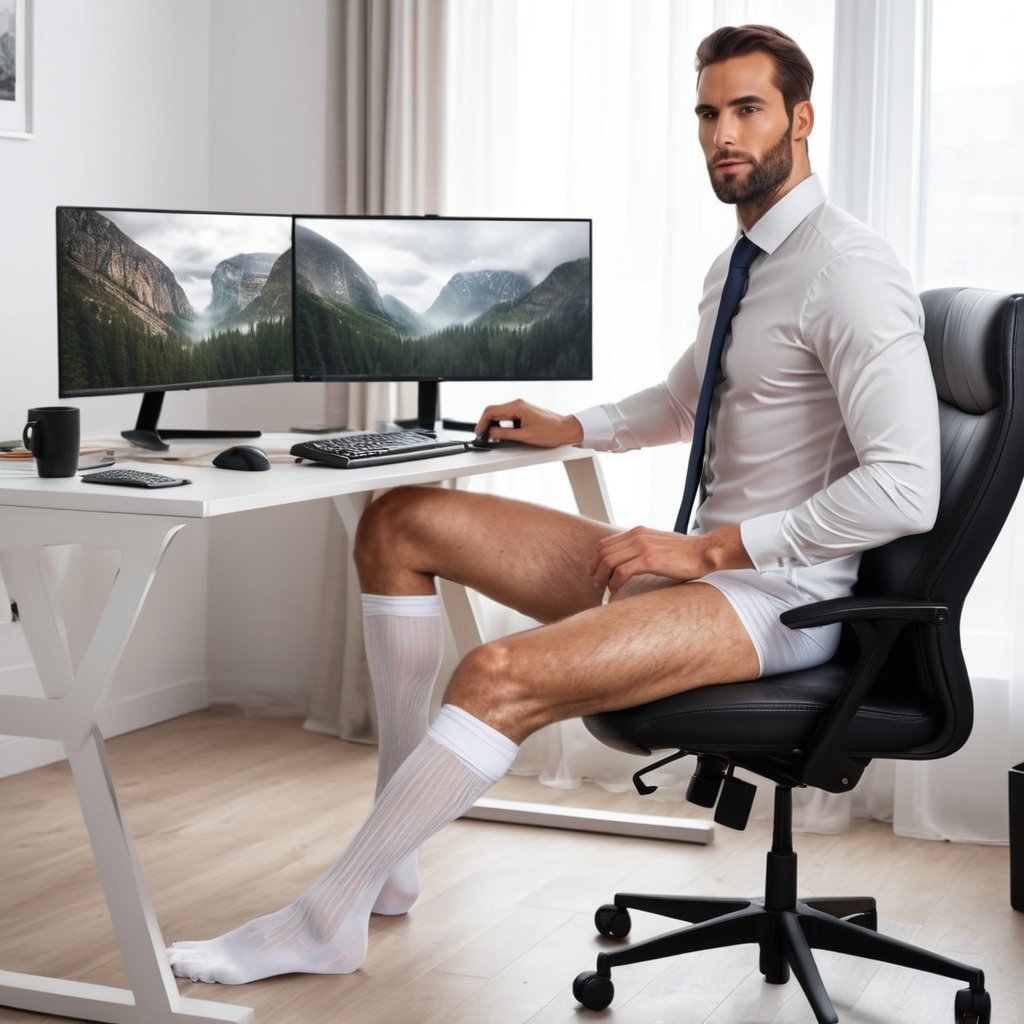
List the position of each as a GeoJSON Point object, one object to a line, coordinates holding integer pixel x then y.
{"type": "Point", "coordinates": [350, 451]}
{"type": "Point", "coordinates": [134, 478]}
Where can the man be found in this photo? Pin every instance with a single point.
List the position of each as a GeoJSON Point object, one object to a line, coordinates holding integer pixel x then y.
{"type": "Point", "coordinates": [823, 443]}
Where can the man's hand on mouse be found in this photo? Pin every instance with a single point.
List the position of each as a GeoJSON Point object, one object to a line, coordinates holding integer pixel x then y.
{"type": "Point", "coordinates": [539, 427]}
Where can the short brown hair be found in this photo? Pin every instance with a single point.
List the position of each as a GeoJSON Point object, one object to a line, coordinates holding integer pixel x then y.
{"type": "Point", "coordinates": [794, 75]}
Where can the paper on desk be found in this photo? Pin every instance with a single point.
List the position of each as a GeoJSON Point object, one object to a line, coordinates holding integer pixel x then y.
{"type": "Point", "coordinates": [88, 458]}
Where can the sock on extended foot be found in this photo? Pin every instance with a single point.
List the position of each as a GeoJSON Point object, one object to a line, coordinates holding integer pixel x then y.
{"type": "Point", "coordinates": [404, 637]}
{"type": "Point", "coordinates": [325, 930]}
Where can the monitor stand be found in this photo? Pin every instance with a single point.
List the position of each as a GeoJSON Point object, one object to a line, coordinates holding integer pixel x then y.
{"type": "Point", "coordinates": [428, 410]}
{"type": "Point", "coordinates": [147, 435]}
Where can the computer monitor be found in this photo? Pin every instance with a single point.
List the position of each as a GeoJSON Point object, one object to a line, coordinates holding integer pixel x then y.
{"type": "Point", "coordinates": [431, 299]}
{"type": "Point", "coordinates": [151, 301]}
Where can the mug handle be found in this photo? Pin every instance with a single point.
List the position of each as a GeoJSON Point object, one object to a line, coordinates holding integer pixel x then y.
{"type": "Point", "coordinates": [30, 426]}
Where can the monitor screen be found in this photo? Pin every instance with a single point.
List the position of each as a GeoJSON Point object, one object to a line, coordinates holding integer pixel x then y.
{"type": "Point", "coordinates": [439, 298]}
{"type": "Point", "coordinates": [152, 300]}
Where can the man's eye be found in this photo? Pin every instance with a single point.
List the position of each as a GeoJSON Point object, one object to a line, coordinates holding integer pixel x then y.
{"type": "Point", "coordinates": [749, 110]}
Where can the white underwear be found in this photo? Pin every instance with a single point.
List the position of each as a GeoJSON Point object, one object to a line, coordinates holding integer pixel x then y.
{"type": "Point", "coordinates": [759, 599]}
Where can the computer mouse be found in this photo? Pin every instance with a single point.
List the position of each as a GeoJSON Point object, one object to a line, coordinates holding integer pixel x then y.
{"type": "Point", "coordinates": [242, 456]}
{"type": "Point", "coordinates": [484, 440]}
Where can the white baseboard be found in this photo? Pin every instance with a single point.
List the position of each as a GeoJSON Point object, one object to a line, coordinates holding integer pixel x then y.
{"type": "Point", "coordinates": [20, 754]}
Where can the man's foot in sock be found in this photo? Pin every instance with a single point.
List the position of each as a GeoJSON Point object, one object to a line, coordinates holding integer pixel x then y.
{"type": "Point", "coordinates": [401, 890]}
{"type": "Point", "coordinates": [283, 943]}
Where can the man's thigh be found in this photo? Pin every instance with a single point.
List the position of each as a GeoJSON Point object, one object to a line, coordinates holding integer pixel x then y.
{"type": "Point", "coordinates": [533, 559]}
{"type": "Point", "coordinates": [627, 652]}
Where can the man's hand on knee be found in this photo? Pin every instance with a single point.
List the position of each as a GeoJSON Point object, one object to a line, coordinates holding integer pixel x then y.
{"type": "Point", "coordinates": [674, 556]}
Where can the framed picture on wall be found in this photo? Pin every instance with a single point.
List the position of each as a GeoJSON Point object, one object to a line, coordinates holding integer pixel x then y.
{"type": "Point", "coordinates": [15, 69]}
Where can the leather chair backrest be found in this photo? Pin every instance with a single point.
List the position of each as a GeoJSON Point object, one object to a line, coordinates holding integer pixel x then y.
{"type": "Point", "coordinates": [975, 341]}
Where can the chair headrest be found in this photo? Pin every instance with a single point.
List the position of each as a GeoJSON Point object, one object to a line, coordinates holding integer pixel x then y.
{"type": "Point", "coordinates": [959, 327]}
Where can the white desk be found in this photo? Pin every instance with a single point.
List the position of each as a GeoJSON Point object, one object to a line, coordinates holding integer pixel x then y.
{"type": "Point", "coordinates": [140, 525]}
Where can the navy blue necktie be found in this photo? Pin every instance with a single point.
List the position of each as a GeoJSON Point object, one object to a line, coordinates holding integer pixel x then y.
{"type": "Point", "coordinates": [735, 285]}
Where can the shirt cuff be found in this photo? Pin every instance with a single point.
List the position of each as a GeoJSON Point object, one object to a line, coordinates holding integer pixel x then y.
{"type": "Point", "coordinates": [766, 543]}
{"type": "Point", "coordinates": [598, 431]}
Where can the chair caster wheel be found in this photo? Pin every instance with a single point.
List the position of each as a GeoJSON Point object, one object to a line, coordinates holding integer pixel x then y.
{"type": "Point", "coordinates": [773, 965]}
{"type": "Point", "coordinates": [612, 921]}
{"type": "Point", "coordinates": [972, 1007]}
{"type": "Point", "coordinates": [593, 990]}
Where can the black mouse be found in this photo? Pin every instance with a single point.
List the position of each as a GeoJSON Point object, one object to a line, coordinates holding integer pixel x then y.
{"type": "Point", "coordinates": [484, 440]}
{"type": "Point", "coordinates": [242, 456]}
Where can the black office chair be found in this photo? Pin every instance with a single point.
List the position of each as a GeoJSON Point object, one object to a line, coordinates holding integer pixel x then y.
{"type": "Point", "coordinates": [897, 687]}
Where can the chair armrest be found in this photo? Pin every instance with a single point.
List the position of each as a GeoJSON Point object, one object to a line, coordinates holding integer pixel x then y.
{"type": "Point", "coordinates": [852, 609]}
{"type": "Point", "coordinates": [877, 624]}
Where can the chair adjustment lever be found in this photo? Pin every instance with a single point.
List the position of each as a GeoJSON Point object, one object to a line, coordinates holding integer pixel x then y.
{"type": "Point", "coordinates": [714, 785]}
{"type": "Point", "coordinates": [642, 787]}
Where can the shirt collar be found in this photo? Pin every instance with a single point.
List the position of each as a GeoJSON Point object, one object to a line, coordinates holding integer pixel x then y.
{"type": "Point", "coordinates": [781, 220]}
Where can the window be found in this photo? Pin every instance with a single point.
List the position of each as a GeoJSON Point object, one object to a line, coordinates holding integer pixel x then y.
{"type": "Point", "coordinates": [974, 202]}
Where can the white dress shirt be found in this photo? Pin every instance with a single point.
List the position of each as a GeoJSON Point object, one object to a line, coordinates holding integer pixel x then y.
{"type": "Point", "coordinates": [823, 437]}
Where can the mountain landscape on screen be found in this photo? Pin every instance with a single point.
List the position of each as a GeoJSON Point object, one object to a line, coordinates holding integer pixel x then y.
{"type": "Point", "coordinates": [127, 323]}
{"type": "Point", "coordinates": [482, 323]}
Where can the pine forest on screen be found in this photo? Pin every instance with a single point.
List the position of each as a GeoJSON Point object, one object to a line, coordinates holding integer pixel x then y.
{"type": "Point", "coordinates": [127, 320]}
{"type": "Point", "coordinates": [442, 299]}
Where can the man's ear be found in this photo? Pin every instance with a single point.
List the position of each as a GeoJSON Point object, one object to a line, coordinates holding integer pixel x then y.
{"type": "Point", "coordinates": [803, 120]}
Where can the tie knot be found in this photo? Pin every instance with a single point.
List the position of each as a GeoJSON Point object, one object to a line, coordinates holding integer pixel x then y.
{"type": "Point", "coordinates": [744, 252]}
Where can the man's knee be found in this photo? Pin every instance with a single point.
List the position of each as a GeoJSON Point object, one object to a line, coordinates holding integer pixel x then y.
{"type": "Point", "coordinates": [389, 519]}
{"type": "Point", "coordinates": [489, 685]}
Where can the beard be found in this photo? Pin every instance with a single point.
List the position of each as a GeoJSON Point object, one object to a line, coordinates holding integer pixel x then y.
{"type": "Point", "coordinates": [765, 178]}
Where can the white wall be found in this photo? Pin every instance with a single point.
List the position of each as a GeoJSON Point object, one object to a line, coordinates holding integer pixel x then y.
{"type": "Point", "coordinates": [188, 104]}
{"type": "Point", "coordinates": [121, 118]}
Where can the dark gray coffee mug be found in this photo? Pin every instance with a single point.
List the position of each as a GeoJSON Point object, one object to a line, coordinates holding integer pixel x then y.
{"type": "Point", "coordinates": [52, 435]}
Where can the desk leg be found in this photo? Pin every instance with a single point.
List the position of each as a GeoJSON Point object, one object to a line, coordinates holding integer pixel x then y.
{"type": "Point", "coordinates": [153, 997]}
{"type": "Point", "coordinates": [349, 508]}
{"type": "Point", "coordinates": [68, 713]}
{"type": "Point", "coordinates": [588, 489]}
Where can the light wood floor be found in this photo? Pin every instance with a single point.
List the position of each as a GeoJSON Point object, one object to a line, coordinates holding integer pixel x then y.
{"type": "Point", "coordinates": [233, 816]}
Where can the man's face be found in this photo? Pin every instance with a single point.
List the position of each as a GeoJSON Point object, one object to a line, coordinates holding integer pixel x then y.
{"type": "Point", "coordinates": [744, 130]}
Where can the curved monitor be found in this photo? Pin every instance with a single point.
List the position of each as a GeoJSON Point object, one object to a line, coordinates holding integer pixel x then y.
{"type": "Point", "coordinates": [153, 300]}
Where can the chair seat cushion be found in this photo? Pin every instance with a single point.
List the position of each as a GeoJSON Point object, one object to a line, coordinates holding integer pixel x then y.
{"type": "Point", "coordinates": [776, 714]}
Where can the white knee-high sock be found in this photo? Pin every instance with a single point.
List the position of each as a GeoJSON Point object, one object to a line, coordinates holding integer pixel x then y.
{"type": "Point", "coordinates": [325, 930]}
{"type": "Point", "coordinates": [404, 637]}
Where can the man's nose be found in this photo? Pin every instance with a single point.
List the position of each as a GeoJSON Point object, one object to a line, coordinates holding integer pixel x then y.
{"type": "Point", "coordinates": [725, 131]}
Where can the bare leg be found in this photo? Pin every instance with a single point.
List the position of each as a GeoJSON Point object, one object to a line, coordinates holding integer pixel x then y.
{"type": "Point", "coordinates": [621, 654]}
{"type": "Point", "coordinates": [529, 558]}
{"type": "Point", "coordinates": [588, 657]}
